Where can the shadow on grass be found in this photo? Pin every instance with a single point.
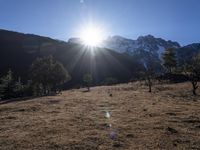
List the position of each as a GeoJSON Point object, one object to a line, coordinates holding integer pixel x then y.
{"type": "Point", "coordinates": [85, 91]}
{"type": "Point", "coordinates": [20, 99]}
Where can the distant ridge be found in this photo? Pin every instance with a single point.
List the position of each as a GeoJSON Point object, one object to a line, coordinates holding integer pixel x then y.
{"type": "Point", "coordinates": [119, 57]}
{"type": "Point", "coordinates": [18, 51]}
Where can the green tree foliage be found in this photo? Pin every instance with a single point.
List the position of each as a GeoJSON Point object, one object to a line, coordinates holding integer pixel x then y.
{"type": "Point", "coordinates": [192, 71]}
{"type": "Point", "coordinates": [19, 88]}
{"type": "Point", "coordinates": [28, 88]}
{"type": "Point", "coordinates": [169, 58]}
{"type": "Point", "coordinates": [47, 74]}
{"type": "Point", "coordinates": [7, 85]}
{"type": "Point", "coordinates": [9, 88]}
{"type": "Point", "coordinates": [87, 79]}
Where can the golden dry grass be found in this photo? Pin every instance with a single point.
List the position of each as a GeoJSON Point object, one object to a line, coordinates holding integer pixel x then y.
{"type": "Point", "coordinates": [167, 118]}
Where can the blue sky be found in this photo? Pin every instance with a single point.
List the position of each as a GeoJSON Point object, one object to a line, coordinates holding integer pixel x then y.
{"type": "Point", "coordinates": [177, 20]}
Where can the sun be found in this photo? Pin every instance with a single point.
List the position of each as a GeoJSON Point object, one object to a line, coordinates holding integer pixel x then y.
{"type": "Point", "coordinates": [92, 36]}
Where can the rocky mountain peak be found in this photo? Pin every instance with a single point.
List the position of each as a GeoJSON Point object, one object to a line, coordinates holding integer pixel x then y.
{"type": "Point", "coordinates": [147, 43]}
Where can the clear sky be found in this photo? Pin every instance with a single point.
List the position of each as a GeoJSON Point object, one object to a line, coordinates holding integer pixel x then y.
{"type": "Point", "coordinates": [177, 20]}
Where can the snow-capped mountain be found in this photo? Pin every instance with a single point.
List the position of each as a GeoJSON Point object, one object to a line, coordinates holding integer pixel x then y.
{"type": "Point", "coordinates": [149, 43]}
{"type": "Point", "coordinates": [186, 53]}
{"type": "Point", "coordinates": [75, 40]}
{"type": "Point", "coordinates": [142, 49]}
{"type": "Point", "coordinates": [145, 47]}
{"type": "Point", "coordinates": [144, 44]}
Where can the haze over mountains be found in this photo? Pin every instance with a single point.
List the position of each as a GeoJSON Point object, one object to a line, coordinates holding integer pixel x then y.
{"type": "Point", "coordinates": [121, 58]}
{"type": "Point", "coordinates": [19, 50]}
{"type": "Point", "coordinates": [147, 45]}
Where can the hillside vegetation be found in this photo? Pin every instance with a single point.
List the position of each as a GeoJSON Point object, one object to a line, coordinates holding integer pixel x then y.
{"type": "Point", "coordinates": [18, 52]}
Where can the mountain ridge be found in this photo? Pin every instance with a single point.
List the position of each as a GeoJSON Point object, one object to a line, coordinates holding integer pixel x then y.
{"type": "Point", "coordinates": [127, 45]}
{"type": "Point", "coordinates": [147, 43]}
{"type": "Point", "coordinates": [19, 50]}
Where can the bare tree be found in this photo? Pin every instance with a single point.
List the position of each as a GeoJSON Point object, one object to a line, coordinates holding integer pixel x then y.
{"type": "Point", "coordinates": [149, 71]}
{"type": "Point", "coordinates": [192, 70]}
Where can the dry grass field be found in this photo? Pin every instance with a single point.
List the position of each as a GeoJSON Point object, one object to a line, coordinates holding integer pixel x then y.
{"type": "Point", "coordinates": [124, 117]}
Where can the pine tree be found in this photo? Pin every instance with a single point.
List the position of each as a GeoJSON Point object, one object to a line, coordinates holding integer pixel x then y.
{"type": "Point", "coordinates": [7, 86]}
{"type": "Point", "coordinates": [169, 58]}
{"type": "Point", "coordinates": [87, 79]}
{"type": "Point", "coordinates": [47, 74]}
{"type": "Point", "coordinates": [19, 88]}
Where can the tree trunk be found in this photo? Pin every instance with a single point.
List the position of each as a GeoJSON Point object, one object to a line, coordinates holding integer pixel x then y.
{"type": "Point", "coordinates": [88, 88]}
{"type": "Point", "coordinates": [150, 88]}
{"type": "Point", "coordinates": [194, 92]}
{"type": "Point", "coordinates": [170, 70]}
{"type": "Point", "coordinates": [150, 84]}
{"type": "Point", "coordinates": [194, 86]}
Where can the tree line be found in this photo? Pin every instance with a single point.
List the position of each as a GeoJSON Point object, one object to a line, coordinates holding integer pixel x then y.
{"type": "Point", "coordinates": [47, 75]}
{"type": "Point", "coordinates": [189, 69]}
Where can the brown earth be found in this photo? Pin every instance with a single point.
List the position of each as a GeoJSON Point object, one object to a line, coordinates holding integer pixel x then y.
{"type": "Point", "coordinates": [124, 117]}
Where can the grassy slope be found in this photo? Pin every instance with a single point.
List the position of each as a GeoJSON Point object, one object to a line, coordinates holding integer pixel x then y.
{"type": "Point", "coordinates": [76, 120]}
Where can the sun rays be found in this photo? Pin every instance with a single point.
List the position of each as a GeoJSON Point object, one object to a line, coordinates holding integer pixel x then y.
{"type": "Point", "coordinates": [92, 35]}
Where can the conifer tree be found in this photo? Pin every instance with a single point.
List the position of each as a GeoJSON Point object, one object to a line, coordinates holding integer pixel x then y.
{"type": "Point", "coordinates": [47, 74]}
{"type": "Point", "coordinates": [87, 79]}
{"type": "Point", "coordinates": [7, 86]}
{"type": "Point", "coordinates": [169, 58]}
{"type": "Point", "coordinates": [19, 88]}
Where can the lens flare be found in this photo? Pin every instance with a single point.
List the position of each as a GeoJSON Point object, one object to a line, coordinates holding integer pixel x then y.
{"type": "Point", "coordinates": [92, 35]}
{"type": "Point", "coordinates": [107, 115]}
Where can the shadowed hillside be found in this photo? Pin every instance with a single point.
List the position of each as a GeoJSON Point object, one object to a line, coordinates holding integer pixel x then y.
{"type": "Point", "coordinates": [19, 50]}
